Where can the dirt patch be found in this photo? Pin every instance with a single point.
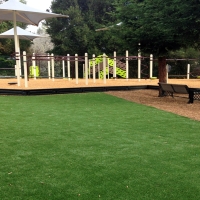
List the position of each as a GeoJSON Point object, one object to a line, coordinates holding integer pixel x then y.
{"type": "Point", "coordinates": [177, 105]}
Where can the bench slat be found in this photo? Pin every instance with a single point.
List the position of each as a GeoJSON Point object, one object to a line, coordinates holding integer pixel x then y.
{"type": "Point", "coordinates": [166, 87]}
{"type": "Point", "coordinates": [183, 89]}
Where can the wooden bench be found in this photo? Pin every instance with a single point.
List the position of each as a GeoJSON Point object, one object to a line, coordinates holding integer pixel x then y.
{"type": "Point", "coordinates": [169, 90]}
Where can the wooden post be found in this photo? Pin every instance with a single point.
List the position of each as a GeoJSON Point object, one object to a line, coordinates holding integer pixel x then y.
{"type": "Point", "coordinates": [114, 65]}
{"type": "Point", "coordinates": [86, 68]}
{"type": "Point", "coordinates": [52, 65]}
{"type": "Point", "coordinates": [63, 65]}
{"type": "Point", "coordinates": [93, 65]}
{"type": "Point", "coordinates": [18, 68]}
{"type": "Point", "coordinates": [167, 69]}
{"type": "Point", "coordinates": [76, 67]}
{"type": "Point", "coordinates": [83, 71]}
{"type": "Point", "coordinates": [49, 66]}
{"type": "Point", "coordinates": [188, 71]}
{"type": "Point", "coordinates": [99, 70]}
{"type": "Point", "coordinates": [34, 67]}
{"type": "Point", "coordinates": [139, 65]}
{"type": "Point", "coordinates": [127, 66]}
{"type": "Point", "coordinates": [104, 68]}
{"type": "Point", "coordinates": [25, 69]}
{"type": "Point", "coordinates": [108, 67]}
{"type": "Point", "coordinates": [151, 66]}
{"type": "Point", "coordinates": [68, 66]}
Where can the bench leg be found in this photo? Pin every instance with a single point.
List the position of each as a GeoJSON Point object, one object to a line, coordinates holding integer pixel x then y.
{"type": "Point", "coordinates": [191, 97]}
{"type": "Point", "coordinates": [166, 93]}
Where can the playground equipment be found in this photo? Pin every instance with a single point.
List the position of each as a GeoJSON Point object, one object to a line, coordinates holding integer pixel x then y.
{"type": "Point", "coordinates": [34, 71]}
{"type": "Point", "coordinates": [195, 73]}
{"type": "Point", "coordinates": [120, 67]}
{"type": "Point", "coordinates": [117, 66]}
{"type": "Point", "coordinates": [101, 66]}
{"type": "Point", "coordinates": [182, 68]}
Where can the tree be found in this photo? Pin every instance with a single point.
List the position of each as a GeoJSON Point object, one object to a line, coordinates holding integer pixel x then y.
{"type": "Point", "coordinates": [43, 44]}
{"type": "Point", "coordinates": [159, 26]}
{"type": "Point", "coordinates": [77, 34]}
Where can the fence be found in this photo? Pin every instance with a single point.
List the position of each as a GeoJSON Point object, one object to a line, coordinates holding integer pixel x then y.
{"type": "Point", "coordinates": [102, 66]}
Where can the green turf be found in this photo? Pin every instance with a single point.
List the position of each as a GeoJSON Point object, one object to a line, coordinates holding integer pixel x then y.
{"type": "Point", "coordinates": [95, 146]}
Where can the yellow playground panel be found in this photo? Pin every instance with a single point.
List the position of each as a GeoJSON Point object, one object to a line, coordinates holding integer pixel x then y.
{"type": "Point", "coordinates": [119, 71]}
{"type": "Point", "coordinates": [31, 71]}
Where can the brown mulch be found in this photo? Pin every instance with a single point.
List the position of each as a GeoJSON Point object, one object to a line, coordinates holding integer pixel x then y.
{"type": "Point", "coordinates": [177, 105]}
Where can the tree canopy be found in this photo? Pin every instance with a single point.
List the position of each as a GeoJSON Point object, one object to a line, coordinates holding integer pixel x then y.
{"type": "Point", "coordinates": [159, 25]}
{"type": "Point", "coordinates": [77, 34]}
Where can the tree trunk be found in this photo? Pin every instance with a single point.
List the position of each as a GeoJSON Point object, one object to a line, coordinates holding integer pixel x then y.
{"type": "Point", "coordinates": [162, 72]}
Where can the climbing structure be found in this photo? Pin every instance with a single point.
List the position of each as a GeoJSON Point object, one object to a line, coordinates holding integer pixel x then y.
{"type": "Point", "coordinates": [120, 66]}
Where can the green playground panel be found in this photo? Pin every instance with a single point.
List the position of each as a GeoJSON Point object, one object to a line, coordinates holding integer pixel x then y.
{"type": "Point", "coordinates": [99, 59]}
{"type": "Point", "coordinates": [119, 72]}
{"type": "Point", "coordinates": [31, 71]}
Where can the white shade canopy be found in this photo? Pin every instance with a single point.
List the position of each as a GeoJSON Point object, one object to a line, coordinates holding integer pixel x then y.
{"type": "Point", "coordinates": [24, 13]}
{"type": "Point", "coordinates": [21, 33]}
{"type": "Point", "coordinates": [15, 11]}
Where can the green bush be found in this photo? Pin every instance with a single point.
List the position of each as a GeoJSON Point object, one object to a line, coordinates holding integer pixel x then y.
{"type": "Point", "coordinates": [6, 62]}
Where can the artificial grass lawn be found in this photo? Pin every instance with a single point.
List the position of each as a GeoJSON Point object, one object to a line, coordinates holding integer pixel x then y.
{"type": "Point", "coordinates": [95, 146]}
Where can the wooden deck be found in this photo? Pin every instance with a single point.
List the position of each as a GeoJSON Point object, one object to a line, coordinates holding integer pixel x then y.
{"type": "Point", "coordinates": [57, 86]}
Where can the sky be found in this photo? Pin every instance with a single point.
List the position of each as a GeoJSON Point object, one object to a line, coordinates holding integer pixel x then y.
{"type": "Point", "coordinates": [41, 5]}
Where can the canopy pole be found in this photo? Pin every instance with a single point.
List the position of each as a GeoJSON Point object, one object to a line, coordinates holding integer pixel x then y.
{"type": "Point", "coordinates": [16, 48]}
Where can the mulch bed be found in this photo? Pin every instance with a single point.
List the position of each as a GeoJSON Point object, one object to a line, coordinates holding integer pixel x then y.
{"type": "Point", "coordinates": [177, 105]}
